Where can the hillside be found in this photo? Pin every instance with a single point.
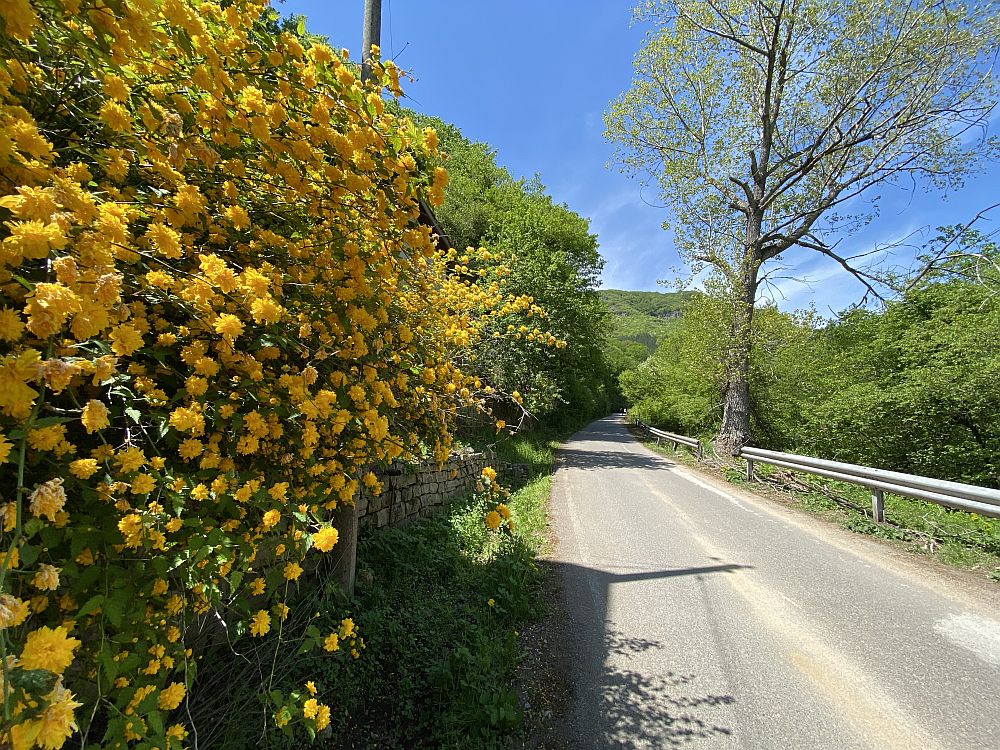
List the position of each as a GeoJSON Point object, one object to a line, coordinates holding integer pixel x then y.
{"type": "Point", "coordinates": [653, 304]}
{"type": "Point", "coordinates": [643, 317]}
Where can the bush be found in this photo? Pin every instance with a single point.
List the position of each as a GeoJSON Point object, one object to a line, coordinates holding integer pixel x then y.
{"type": "Point", "coordinates": [218, 311]}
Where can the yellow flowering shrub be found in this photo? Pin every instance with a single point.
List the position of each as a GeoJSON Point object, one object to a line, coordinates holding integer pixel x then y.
{"type": "Point", "coordinates": [218, 312]}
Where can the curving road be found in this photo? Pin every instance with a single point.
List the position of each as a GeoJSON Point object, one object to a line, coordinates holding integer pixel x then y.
{"type": "Point", "coordinates": [702, 616]}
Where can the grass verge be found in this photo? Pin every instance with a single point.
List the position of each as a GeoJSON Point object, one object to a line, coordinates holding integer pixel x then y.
{"type": "Point", "coordinates": [957, 538]}
{"type": "Point", "coordinates": [440, 605]}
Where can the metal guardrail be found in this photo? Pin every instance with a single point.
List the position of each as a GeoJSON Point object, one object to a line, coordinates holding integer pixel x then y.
{"type": "Point", "coordinates": [672, 437]}
{"type": "Point", "coordinates": [968, 497]}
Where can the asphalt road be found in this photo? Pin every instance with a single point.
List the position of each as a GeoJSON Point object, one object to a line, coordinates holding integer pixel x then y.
{"type": "Point", "coordinates": [701, 616]}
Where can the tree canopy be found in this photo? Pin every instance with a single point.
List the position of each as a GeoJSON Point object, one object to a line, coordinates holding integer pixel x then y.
{"type": "Point", "coordinates": [762, 120]}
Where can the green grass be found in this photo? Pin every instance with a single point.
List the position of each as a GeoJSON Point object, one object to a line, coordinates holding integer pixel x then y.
{"type": "Point", "coordinates": [440, 660]}
{"type": "Point", "coordinates": [965, 540]}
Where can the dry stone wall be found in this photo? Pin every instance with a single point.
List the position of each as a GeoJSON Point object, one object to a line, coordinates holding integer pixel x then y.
{"type": "Point", "coordinates": [418, 493]}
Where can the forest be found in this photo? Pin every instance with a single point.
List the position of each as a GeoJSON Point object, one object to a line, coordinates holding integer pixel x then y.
{"type": "Point", "coordinates": [908, 386]}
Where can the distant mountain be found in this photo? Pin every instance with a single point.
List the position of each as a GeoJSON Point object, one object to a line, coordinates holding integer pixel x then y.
{"type": "Point", "coordinates": [643, 317]}
{"type": "Point", "coordinates": [655, 304]}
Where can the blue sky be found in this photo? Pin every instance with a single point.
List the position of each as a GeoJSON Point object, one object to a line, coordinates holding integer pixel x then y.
{"type": "Point", "coordinates": [533, 80]}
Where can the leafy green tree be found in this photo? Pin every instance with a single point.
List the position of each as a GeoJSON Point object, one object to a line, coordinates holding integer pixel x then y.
{"type": "Point", "coordinates": [917, 385]}
{"type": "Point", "coordinates": [761, 119]}
{"type": "Point", "coordinates": [553, 258]}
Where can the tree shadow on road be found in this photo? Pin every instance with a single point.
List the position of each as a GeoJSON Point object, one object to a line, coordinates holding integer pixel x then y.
{"type": "Point", "coordinates": [591, 460]}
{"type": "Point", "coordinates": [608, 430]}
{"type": "Point", "coordinates": [618, 698]}
{"type": "Point", "coordinates": [641, 710]}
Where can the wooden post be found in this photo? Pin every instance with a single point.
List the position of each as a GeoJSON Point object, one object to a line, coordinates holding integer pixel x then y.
{"type": "Point", "coordinates": [345, 520]}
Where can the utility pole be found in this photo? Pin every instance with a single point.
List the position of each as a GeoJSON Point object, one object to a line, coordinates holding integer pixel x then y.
{"type": "Point", "coordinates": [372, 34]}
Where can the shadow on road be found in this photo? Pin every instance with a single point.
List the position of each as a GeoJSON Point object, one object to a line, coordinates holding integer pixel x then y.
{"type": "Point", "coordinates": [621, 697]}
{"type": "Point", "coordinates": [610, 430]}
{"type": "Point", "coordinates": [600, 460]}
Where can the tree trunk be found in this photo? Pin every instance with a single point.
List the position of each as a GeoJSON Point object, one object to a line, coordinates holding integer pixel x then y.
{"type": "Point", "coordinates": [734, 432]}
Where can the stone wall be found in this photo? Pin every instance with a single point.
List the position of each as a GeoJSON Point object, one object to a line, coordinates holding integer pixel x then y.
{"type": "Point", "coordinates": [419, 491]}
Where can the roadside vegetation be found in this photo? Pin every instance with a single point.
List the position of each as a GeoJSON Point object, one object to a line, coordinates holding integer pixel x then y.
{"type": "Point", "coordinates": [956, 538]}
{"type": "Point", "coordinates": [441, 604]}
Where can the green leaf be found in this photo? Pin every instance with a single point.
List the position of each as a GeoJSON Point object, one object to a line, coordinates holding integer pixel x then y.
{"type": "Point", "coordinates": [91, 605]}
{"type": "Point", "coordinates": [29, 554]}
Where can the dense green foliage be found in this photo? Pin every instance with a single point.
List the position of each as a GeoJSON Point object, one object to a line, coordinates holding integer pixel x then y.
{"type": "Point", "coordinates": [761, 121]}
{"type": "Point", "coordinates": [641, 318]}
{"type": "Point", "coordinates": [438, 670]}
{"type": "Point", "coordinates": [653, 304]}
{"type": "Point", "coordinates": [912, 387]}
{"type": "Point", "coordinates": [553, 258]}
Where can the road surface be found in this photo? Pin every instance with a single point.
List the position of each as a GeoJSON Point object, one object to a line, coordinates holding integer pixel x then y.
{"type": "Point", "coordinates": [701, 616]}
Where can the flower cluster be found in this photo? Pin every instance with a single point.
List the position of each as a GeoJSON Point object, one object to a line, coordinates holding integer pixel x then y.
{"type": "Point", "coordinates": [218, 312]}
{"type": "Point", "coordinates": [497, 516]}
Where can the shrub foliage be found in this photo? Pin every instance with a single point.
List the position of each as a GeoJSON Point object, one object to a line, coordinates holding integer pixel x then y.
{"type": "Point", "coordinates": [218, 312]}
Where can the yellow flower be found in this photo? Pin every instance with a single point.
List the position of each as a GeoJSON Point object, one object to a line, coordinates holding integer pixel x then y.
{"type": "Point", "coordinates": [238, 216]}
{"type": "Point", "coordinates": [114, 115]}
{"type": "Point", "coordinates": [332, 642]}
{"type": "Point", "coordinates": [143, 484]}
{"type": "Point", "coordinates": [347, 628]}
{"type": "Point", "coordinates": [83, 468]}
{"type": "Point", "coordinates": [13, 611]}
{"type": "Point", "coordinates": [258, 586]}
{"type": "Point", "coordinates": [115, 88]}
{"type": "Point", "coordinates": [48, 499]}
{"type": "Point", "coordinates": [228, 325]}
{"type": "Point", "coordinates": [490, 602]}
{"type": "Point", "coordinates": [292, 571]}
{"type": "Point", "coordinates": [131, 528]}
{"type": "Point", "coordinates": [5, 448]}
{"type": "Point", "coordinates": [165, 240]}
{"type": "Point", "coordinates": [490, 473]}
{"type": "Point", "coordinates": [20, 18]}
{"type": "Point", "coordinates": [322, 717]}
{"type": "Point", "coordinates": [48, 648]}
{"type": "Point", "coordinates": [311, 687]}
{"type": "Point", "coordinates": [47, 578]}
{"type": "Point", "coordinates": [310, 708]}
{"type": "Point", "coordinates": [177, 732]}
{"type": "Point", "coordinates": [493, 520]}
{"type": "Point", "coordinates": [261, 623]}
{"type": "Point", "coordinates": [53, 726]}
{"type": "Point", "coordinates": [125, 340]}
{"type": "Point", "coordinates": [170, 697]}
{"type": "Point", "coordinates": [190, 448]}
{"type": "Point", "coordinates": [11, 326]}
{"type": "Point", "coordinates": [325, 538]}
{"type": "Point", "coordinates": [503, 510]}
{"type": "Point", "coordinates": [270, 518]}
{"type": "Point", "coordinates": [94, 416]}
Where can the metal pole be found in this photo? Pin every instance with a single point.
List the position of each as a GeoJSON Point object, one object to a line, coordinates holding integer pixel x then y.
{"type": "Point", "coordinates": [372, 34]}
{"type": "Point", "coordinates": [749, 470]}
{"type": "Point", "coordinates": [878, 505]}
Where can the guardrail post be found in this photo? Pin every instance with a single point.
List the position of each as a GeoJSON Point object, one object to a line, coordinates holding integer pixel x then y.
{"type": "Point", "coordinates": [878, 505]}
{"type": "Point", "coordinates": [698, 453]}
{"type": "Point", "coordinates": [749, 470]}
{"type": "Point", "coordinates": [673, 445]}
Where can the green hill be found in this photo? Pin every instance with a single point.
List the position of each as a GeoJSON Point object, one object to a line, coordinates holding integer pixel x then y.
{"type": "Point", "coordinates": [643, 317]}
{"type": "Point", "coordinates": [654, 304]}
